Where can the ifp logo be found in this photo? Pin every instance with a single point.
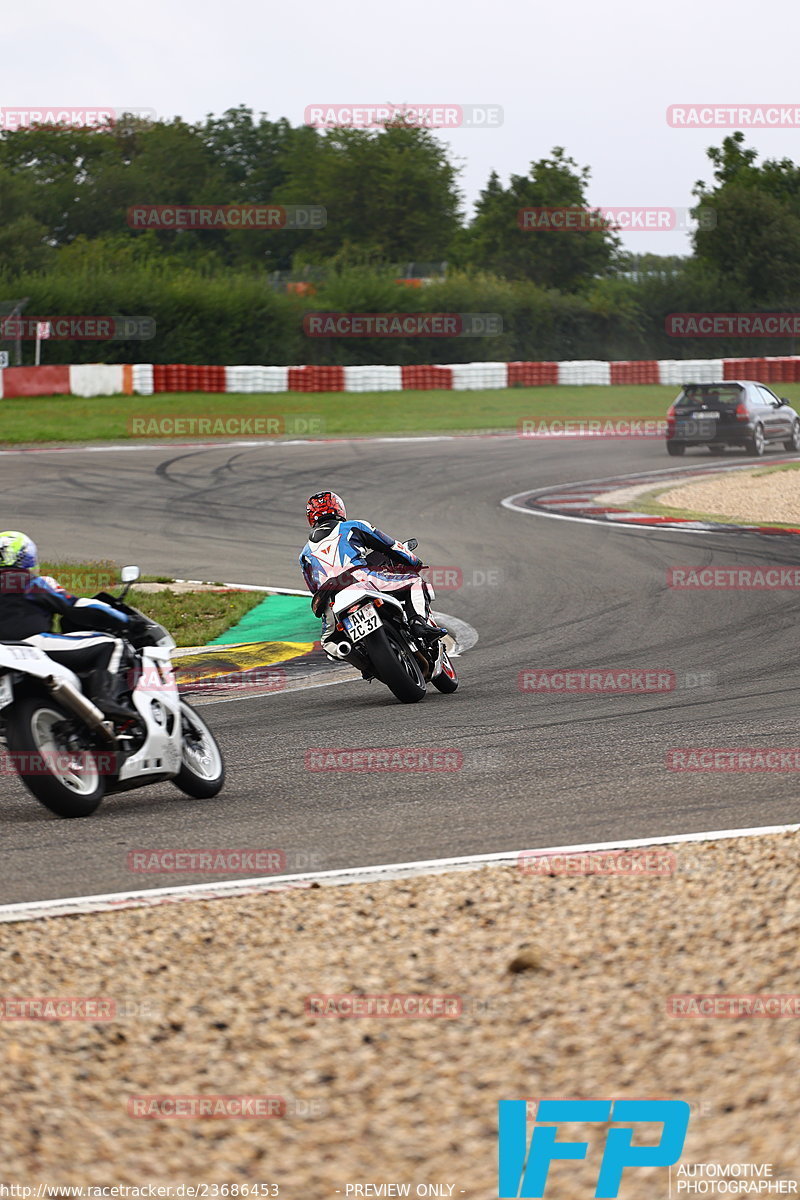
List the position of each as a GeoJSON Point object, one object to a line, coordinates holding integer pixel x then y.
{"type": "Point", "coordinates": [523, 1170]}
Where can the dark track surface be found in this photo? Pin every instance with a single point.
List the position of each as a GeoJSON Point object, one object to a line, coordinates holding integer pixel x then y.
{"type": "Point", "coordinates": [538, 770]}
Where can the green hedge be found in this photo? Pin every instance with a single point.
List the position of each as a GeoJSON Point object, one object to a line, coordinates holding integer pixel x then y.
{"type": "Point", "coordinates": [237, 317]}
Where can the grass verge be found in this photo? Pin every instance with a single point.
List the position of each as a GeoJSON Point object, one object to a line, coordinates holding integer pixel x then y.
{"type": "Point", "coordinates": [337, 414]}
{"type": "Point", "coordinates": [193, 618]}
{"type": "Point", "coordinates": [792, 466]}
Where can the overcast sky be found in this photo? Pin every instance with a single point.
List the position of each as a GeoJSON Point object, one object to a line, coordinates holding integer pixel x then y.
{"type": "Point", "coordinates": [595, 76]}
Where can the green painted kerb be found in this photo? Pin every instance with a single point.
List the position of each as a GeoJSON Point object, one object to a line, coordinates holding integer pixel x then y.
{"type": "Point", "coordinates": [275, 619]}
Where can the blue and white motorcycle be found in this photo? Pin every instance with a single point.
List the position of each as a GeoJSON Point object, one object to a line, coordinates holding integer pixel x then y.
{"type": "Point", "coordinates": [371, 632]}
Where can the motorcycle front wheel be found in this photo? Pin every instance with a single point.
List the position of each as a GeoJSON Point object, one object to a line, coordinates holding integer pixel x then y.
{"type": "Point", "coordinates": [44, 741]}
{"type": "Point", "coordinates": [202, 772]}
{"type": "Point", "coordinates": [447, 679]}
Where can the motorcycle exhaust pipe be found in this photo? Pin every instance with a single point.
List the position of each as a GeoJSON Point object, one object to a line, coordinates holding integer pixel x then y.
{"type": "Point", "coordinates": [337, 649]}
{"type": "Point", "coordinates": [72, 699]}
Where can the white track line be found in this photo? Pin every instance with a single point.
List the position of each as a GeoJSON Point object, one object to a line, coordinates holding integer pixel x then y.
{"type": "Point", "coordinates": [251, 587]}
{"type": "Point", "coordinates": [622, 526]}
{"type": "Point", "coordinates": [511, 501]}
{"type": "Point", "coordinates": [253, 443]}
{"type": "Point", "coordinates": [113, 901]}
{"type": "Point", "coordinates": [256, 443]}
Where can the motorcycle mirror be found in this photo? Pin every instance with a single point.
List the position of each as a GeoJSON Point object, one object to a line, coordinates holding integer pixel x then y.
{"type": "Point", "coordinates": [412, 543]}
{"type": "Point", "coordinates": [128, 575]}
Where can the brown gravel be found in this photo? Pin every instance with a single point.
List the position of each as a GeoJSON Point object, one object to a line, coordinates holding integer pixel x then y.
{"type": "Point", "coordinates": [741, 495]}
{"type": "Point", "coordinates": [563, 980]}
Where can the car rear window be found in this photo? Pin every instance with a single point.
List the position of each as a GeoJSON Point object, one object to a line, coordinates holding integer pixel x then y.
{"type": "Point", "coordinates": [724, 394]}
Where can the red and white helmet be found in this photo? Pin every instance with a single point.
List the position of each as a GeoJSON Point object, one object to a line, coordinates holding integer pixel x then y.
{"type": "Point", "coordinates": [325, 504]}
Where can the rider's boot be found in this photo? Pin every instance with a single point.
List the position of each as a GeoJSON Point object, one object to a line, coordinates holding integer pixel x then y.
{"type": "Point", "coordinates": [428, 631]}
{"type": "Point", "coordinates": [102, 687]}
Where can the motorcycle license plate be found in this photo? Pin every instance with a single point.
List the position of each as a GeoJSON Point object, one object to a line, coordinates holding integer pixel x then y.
{"type": "Point", "coordinates": [6, 691]}
{"type": "Point", "coordinates": [361, 623]}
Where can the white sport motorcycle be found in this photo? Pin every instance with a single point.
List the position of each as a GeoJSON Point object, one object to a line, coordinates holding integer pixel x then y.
{"type": "Point", "coordinates": [372, 632]}
{"type": "Point", "coordinates": [66, 752]}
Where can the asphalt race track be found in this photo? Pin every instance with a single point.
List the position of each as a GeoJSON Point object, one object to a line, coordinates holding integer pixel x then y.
{"type": "Point", "coordinates": [538, 770]}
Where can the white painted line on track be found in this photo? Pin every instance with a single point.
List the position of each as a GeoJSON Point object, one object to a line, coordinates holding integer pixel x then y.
{"type": "Point", "coordinates": [512, 502]}
{"type": "Point", "coordinates": [466, 635]}
{"type": "Point", "coordinates": [619, 525]}
{"type": "Point", "coordinates": [249, 587]}
{"type": "Point", "coordinates": [113, 901]}
{"type": "Point", "coordinates": [253, 443]}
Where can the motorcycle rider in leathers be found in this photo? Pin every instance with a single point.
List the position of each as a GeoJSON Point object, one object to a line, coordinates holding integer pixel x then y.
{"type": "Point", "coordinates": [30, 601]}
{"type": "Point", "coordinates": [337, 547]}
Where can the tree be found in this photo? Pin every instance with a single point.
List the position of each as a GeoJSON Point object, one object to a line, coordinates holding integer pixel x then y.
{"type": "Point", "coordinates": [568, 259]}
{"type": "Point", "coordinates": [23, 238]}
{"type": "Point", "coordinates": [390, 194]}
{"type": "Point", "coordinates": [755, 241]}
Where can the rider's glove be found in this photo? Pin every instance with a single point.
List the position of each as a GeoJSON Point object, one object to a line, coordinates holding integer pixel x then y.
{"type": "Point", "coordinates": [136, 629]}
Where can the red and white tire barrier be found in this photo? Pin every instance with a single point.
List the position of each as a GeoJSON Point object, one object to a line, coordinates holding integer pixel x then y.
{"type": "Point", "coordinates": [145, 379]}
{"type": "Point", "coordinates": [81, 379]}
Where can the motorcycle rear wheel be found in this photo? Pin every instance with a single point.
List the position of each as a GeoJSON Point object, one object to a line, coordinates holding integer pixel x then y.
{"type": "Point", "coordinates": [70, 783]}
{"type": "Point", "coordinates": [396, 666]}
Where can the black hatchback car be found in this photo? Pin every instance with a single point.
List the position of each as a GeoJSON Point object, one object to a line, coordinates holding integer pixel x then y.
{"type": "Point", "coordinates": [736, 412]}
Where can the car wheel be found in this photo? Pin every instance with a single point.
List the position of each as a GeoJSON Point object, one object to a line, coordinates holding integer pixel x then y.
{"type": "Point", "coordinates": [794, 441]}
{"type": "Point", "coordinates": [674, 449]}
{"type": "Point", "coordinates": [717, 448]}
{"type": "Point", "coordinates": [755, 443]}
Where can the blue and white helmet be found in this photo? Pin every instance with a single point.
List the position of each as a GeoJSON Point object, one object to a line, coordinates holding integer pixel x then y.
{"type": "Point", "coordinates": [17, 550]}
